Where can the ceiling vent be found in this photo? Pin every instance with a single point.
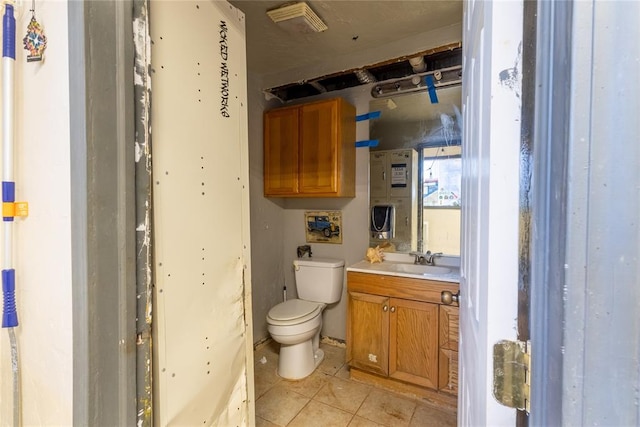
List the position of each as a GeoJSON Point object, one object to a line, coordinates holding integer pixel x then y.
{"type": "Point", "coordinates": [297, 18]}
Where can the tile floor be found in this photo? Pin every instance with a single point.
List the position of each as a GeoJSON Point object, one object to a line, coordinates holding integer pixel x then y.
{"type": "Point", "coordinates": [329, 398]}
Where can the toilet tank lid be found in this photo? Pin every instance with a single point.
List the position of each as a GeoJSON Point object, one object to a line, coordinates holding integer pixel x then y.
{"type": "Point", "coordinates": [319, 262]}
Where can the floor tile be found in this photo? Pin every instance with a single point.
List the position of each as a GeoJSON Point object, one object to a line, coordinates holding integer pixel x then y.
{"type": "Point", "coordinates": [279, 405]}
{"type": "Point", "coordinates": [334, 359]}
{"type": "Point", "coordinates": [265, 375]}
{"type": "Point", "coordinates": [308, 386]}
{"type": "Point", "coordinates": [328, 397]}
{"type": "Point", "coordinates": [260, 422]}
{"type": "Point", "coordinates": [387, 409]}
{"type": "Point", "coordinates": [317, 414]}
{"type": "Point", "coordinates": [362, 422]}
{"type": "Point", "coordinates": [343, 394]}
{"type": "Point", "coordinates": [344, 372]}
{"type": "Point", "coordinates": [428, 416]}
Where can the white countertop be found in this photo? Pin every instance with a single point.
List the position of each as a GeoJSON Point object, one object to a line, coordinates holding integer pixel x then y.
{"type": "Point", "coordinates": [387, 267]}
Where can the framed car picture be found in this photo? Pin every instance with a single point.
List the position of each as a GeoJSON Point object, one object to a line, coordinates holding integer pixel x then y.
{"type": "Point", "coordinates": [323, 226]}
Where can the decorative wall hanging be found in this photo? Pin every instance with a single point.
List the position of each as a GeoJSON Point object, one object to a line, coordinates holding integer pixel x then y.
{"type": "Point", "coordinates": [35, 41]}
{"type": "Point", "coordinates": [323, 226]}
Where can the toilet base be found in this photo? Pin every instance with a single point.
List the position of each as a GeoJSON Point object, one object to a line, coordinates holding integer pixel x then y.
{"type": "Point", "coordinates": [298, 361]}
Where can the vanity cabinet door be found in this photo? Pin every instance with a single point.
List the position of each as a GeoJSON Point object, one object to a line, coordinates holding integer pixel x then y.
{"type": "Point", "coordinates": [448, 381]}
{"type": "Point", "coordinates": [413, 342]}
{"type": "Point", "coordinates": [368, 332]}
{"type": "Point", "coordinates": [449, 327]}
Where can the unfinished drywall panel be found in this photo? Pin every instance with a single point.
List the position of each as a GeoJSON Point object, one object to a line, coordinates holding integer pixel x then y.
{"type": "Point", "coordinates": [203, 363]}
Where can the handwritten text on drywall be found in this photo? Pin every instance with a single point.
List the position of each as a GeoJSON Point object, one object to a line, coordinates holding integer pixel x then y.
{"type": "Point", "coordinates": [224, 71]}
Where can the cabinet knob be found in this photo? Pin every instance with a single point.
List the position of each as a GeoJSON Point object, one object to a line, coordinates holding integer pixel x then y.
{"type": "Point", "coordinates": [393, 309]}
{"type": "Point", "coordinates": [449, 298]}
{"type": "Point", "coordinates": [385, 308]}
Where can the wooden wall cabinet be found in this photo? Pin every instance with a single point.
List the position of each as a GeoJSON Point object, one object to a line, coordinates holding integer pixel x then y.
{"type": "Point", "coordinates": [398, 330]}
{"type": "Point", "coordinates": [309, 150]}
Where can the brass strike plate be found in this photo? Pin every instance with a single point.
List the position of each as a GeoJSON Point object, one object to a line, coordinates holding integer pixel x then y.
{"type": "Point", "coordinates": [511, 374]}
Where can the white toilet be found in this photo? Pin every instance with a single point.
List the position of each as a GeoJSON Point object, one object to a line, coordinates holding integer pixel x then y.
{"type": "Point", "coordinates": [296, 323]}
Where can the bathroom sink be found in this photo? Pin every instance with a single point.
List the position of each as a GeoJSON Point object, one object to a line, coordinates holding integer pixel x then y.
{"type": "Point", "coordinates": [419, 269]}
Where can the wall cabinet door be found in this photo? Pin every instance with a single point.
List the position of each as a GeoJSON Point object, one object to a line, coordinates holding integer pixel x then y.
{"type": "Point", "coordinates": [319, 148]}
{"type": "Point", "coordinates": [413, 352]}
{"type": "Point", "coordinates": [309, 150]}
{"type": "Point", "coordinates": [281, 136]}
{"type": "Point", "coordinates": [368, 332]}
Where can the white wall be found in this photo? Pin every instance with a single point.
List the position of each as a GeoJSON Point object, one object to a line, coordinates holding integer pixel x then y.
{"type": "Point", "coordinates": [42, 257]}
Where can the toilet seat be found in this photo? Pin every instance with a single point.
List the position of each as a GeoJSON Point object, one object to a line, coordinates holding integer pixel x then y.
{"type": "Point", "coordinates": [293, 312]}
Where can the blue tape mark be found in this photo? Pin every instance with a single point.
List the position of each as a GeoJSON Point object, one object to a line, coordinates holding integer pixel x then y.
{"type": "Point", "coordinates": [8, 33]}
{"type": "Point", "coordinates": [371, 115]}
{"type": "Point", "coordinates": [9, 313]}
{"type": "Point", "coordinates": [8, 191]}
{"type": "Point", "coordinates": [367, 143]}
{"type": "Point", "coordinates": [432, 89]}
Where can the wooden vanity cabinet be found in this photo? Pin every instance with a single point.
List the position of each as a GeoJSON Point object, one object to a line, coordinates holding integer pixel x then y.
{"type": "Point", "coordinates": [397, 329]}
{"type": "Point", "coordinates": [384, 338]}
{"type": "Point", "coordinates": [448, 358]}
{"type": "Point", "coordinates": [309, 150]}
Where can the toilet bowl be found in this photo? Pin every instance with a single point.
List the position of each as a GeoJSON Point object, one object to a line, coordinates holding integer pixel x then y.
{"type": "Point", "coordinates": [296, 323]}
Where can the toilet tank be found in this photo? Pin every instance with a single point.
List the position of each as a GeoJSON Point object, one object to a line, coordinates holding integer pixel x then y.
{"type": "Point", "coordinates": [319, 279]}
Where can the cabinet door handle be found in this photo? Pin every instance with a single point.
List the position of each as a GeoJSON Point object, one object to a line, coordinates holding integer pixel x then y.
{"type": "Point", "coordinates": [393, 309]}
{"type": "Point", "coordinates": [385, 308]}
{"type": "Point", "coordinates": [449, 298]}
{"type": "Point", "coordinates": [406, 220]}
{"type": "Point", "coordinates": [384, 176]}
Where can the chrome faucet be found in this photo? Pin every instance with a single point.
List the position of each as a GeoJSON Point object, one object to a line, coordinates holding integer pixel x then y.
{"type": "Point", "coordinates": [427, 258]}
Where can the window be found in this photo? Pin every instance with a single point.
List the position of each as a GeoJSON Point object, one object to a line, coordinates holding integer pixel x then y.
{"type": "Point", "coordinates": [442, 181]}
{"type": "Point", "coordinates": [439, 212]}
